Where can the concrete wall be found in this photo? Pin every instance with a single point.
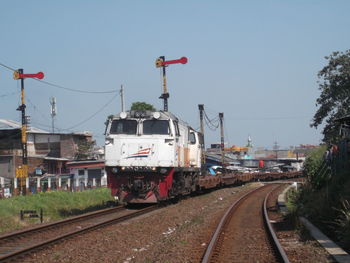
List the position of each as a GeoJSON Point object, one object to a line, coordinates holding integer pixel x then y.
{"type": "Point", "coordinates": [68, 146]}
{"type": "Point", "coordinates": [6, 166]}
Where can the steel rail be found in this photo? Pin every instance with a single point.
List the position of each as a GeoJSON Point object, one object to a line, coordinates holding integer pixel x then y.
{"type": "Point", "coordinates": [225, 219]}
{"type": "Point", "coordinates": [61, 222]}
{"type": "Point", "coordinates": [275, 242]}
{"type": "Point", "coordinates": [17, 253]}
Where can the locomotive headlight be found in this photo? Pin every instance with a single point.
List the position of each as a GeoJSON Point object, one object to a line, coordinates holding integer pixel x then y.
{"type": "Point", "coordinates": [156, 115]}
{"type": "Point", "coordinates": [154, 168]}
{"type": "Point", "coordinates": [123, 168]}
{"type": "Point", "coordinates": [123, 115]}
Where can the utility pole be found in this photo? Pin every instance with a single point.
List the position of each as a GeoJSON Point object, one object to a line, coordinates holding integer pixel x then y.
{"type": "Point", "coordinates": [22, 172]}
{"type": "Point", "coordinates": [221, 117]}
{"type": "Point", "coordinates": [275, 148]}
{"type": "Point", "coordinates": [53, 112]}
{"type": "Point", "coordinates": [122, 98]}
{"type": "Point", "coordinates": [160, 62]}
{"type": "Point", "coordinates": [201, 110]}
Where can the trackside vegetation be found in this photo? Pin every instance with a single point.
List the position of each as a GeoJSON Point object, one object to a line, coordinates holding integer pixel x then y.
{"type": "Point", "coordinates": [325, 197]}
{"type": "Point", "coordinates": [56, 205]}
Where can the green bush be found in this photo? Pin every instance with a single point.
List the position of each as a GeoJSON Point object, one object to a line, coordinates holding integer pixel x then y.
{"type": "Point", "coordinates": [325, 197]}
{"type": "Point", "coordinates": [342, 224]}
{"type": "Point", "coordinates": [313, 165]}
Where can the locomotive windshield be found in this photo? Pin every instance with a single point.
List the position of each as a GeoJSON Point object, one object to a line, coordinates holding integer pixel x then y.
{"type": "Point", "coordinates": [156, 127]}
{"type": "Point", "coordinates": [123, 127]}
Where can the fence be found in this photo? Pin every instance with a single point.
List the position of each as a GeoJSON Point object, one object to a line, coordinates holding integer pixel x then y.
{"type": "Point", "coordinates": [33, 185]}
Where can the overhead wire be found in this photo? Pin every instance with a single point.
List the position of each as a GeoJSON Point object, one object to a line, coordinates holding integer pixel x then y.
{"type": "Point", "coordinates": [270, 118]}
{"type": "Point", "coordinates": [65, 88]}
{"type": "Point", "coordinates": [80, 123]}
{"type": "Point", "coordinates": [62, 87]}
{"type": "Point", "coordinates": [76, 90]}
{"type": "Point", "coordinates": [212, 124]}
{"type": "Point", "coordinates": [9, 94]}
{"type": "Point", "coordinates": [37, 110]}
{"type": "Point", "coordinates": [93, 115]}
{"type": "Point", "coordinates": [8, 67]}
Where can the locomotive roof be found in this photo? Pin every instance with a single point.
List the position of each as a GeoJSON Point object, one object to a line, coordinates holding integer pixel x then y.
{"type": "Point", "coordinates": [164, 115]}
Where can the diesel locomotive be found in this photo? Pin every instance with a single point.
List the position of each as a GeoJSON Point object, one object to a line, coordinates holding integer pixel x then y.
{"type": "Point", "coordinates": [152, 156]}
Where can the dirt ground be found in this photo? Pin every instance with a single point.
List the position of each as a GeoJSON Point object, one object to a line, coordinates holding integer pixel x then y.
{"type": "Point", "coordinates": [174, 234]}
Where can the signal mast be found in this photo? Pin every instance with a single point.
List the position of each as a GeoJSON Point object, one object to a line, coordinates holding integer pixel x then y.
{"type": "Point", "coordinates": [22, 172]}
{"type": "Point", "coordinates": [160, 62]}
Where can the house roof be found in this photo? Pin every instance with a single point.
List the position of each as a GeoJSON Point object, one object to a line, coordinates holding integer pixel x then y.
{"type": "Point", "coordinates": [86, 164]}
{"type": "Point", "coordinates": [14, 125]}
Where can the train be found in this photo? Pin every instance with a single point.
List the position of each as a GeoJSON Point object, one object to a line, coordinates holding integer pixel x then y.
{"type": "Point", "coordinates": [153, 156]}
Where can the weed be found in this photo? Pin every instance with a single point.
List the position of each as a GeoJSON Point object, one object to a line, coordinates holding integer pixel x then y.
{"type": "Point", "coordinates": [183, 242]}
{"type": "Point", "coordinates": [57, 256]}
{"type": "Point", "coordinates": [342, 223]}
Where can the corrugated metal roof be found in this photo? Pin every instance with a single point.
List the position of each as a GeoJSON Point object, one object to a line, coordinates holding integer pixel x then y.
{"type": "Point", "coordinates": [13, 125]}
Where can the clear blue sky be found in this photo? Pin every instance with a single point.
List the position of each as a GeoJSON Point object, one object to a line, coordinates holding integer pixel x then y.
{"type": "Point", "coordinates": [256, 61]}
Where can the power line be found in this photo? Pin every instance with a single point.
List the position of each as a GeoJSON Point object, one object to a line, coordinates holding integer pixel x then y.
{"type": "Point", "coordinates": [76, 90]}
{"type": "Point", "coordinates": [82, 122]}
{"type": "Point", "coordinates": [212, 124]}
{"type": "Point", "coordinates": [93, 115]}
{"type": "Point", "coordinates": [9, 94]}
{"type": "Point", "coordinates": [7, 67]}
{"type": "Point", "coordinates": [37, 110]}
{"type": "Point", "coordinates": [61, 87]}
{"type": "Point", "coordinates": [270, 118]}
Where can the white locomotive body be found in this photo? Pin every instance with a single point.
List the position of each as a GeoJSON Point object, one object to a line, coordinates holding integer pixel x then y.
{"type": "Point", "coordinates": [151, 156]}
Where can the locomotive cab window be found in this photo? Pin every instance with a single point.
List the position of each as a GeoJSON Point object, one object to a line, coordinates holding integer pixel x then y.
{"type": "Point", "coordinates": [156, 127]}
{"type": "Point", "coordinates": [123, 127]}
{"type": "Point", "coordinates": [192, 138]}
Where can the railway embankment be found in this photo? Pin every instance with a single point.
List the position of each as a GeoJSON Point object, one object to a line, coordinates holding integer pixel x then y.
{"type": "Point", "coordinates": [325, 198]}
{"type": "Point", "coordinates": [55, 205]}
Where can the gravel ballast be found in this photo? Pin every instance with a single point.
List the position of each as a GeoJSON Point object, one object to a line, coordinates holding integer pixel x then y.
{"type": "Point", "coordinates": [174, 234]}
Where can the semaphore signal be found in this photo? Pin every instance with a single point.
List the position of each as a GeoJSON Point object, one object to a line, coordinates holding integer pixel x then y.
{"type": "Point", "coordinates": [161, 62]}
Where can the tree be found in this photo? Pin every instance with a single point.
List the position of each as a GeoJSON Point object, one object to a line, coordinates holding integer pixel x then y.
{"type": "Point", "coordinates": [85, 150]}
{"type": "Point", "coordinates": [334, 100]}
{"type": "Point", "coordinates": [142, 106]}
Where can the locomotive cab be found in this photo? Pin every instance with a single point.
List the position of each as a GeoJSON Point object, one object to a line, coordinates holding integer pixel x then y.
{"type": "Point", "coordinates": [146, 154]}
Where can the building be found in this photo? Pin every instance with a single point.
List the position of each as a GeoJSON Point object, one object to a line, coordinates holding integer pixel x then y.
{"type": "Point", "coordinates": [48, 153]}
{"type": "Point", "coordinates": [88, 173]}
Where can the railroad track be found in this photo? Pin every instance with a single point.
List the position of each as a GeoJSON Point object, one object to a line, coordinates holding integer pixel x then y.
{"type": "Point", "coordinates": [19, 243]}
{"type": "Point", "coordinates": [245, 234]}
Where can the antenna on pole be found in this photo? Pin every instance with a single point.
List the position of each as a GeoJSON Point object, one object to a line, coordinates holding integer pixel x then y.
{"type": "Point", "coordinates": [122, 97]}
{"type": "Point", "coordinates": [53, 112]}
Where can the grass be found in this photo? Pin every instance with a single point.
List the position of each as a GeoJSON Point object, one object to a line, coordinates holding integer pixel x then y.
{"type": "Point", "coordinates": [56, 205]}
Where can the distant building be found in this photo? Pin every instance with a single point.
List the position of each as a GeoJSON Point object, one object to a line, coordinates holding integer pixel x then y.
{"type": "Point", "coordinates": [90, 173]}
{"type": "Point", "coordinates": [48, 153]}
